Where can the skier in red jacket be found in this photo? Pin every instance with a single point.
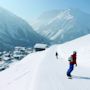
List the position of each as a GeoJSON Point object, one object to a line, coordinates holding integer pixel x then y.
{"type": "Point", "coordinates": [72, 62]}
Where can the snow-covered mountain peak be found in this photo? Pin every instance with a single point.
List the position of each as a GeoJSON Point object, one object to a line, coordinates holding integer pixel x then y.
{"type": "Point", "coordinates": [66, 15]}
{"type": "Point", "coordinates": [64, 26]}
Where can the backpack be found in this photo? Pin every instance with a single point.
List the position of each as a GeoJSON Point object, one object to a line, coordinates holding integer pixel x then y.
{"type": "Point", "coordinates": [70, 59]}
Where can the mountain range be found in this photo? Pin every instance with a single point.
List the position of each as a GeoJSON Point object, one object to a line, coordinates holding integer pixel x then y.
{"type": "Point", "coordinates": [15, 31]}
{"type": "Point", "coordinates": [61, 26]}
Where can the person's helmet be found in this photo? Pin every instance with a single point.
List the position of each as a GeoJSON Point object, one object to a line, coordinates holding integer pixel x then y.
{"type": "Point", "coordinates": [74, 52]}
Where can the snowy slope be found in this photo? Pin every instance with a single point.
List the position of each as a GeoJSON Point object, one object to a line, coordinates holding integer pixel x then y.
{"type": "Point", "coordinates": [14, 31]}
{"type": "Point", "coordinates": [65, 25]}
{"type": "Point", "coordinates": [42, 71]}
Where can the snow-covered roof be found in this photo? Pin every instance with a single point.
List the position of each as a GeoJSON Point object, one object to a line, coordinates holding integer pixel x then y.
{"type": "Point", "coordinates": [40, 45]}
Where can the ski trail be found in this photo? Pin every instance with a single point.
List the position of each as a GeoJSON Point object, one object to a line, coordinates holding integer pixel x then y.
{"type": "Point", "coordinates": [45, 78]}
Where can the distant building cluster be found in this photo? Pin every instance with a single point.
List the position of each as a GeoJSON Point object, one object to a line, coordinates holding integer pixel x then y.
{"type": "Point", "coordinates": [6, 58]}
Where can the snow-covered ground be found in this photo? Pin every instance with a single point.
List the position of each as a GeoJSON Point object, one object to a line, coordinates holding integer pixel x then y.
{"type": "Point", "coordinates": [43, 71]}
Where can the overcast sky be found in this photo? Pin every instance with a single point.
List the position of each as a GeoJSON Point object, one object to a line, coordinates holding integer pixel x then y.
{"type": "Point", "coordinates": [30, 9]}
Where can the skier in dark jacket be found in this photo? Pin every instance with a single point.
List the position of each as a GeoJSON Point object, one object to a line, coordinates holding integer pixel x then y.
{"type": "Point", "coordinates": [57, 55]}
{"type": "Point", "coordinates": [72, 62]}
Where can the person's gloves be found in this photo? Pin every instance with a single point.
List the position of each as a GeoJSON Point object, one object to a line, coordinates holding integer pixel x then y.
{"type": "Point", "coordinates": [76, 65]}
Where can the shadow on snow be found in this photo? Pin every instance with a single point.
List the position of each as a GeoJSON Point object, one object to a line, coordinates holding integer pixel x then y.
{"type": "Point", "coordinates": [81, 77]}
